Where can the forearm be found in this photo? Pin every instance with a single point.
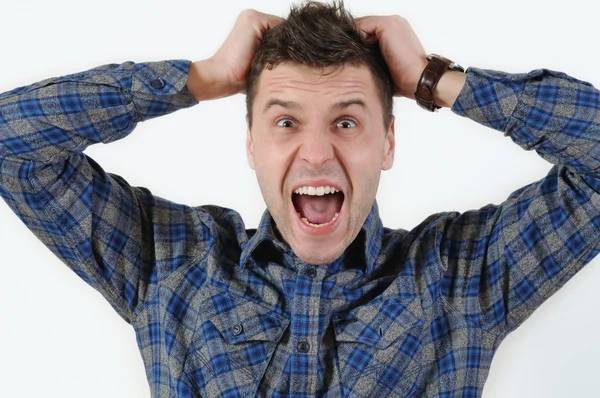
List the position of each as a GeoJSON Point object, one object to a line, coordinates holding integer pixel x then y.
{"type": "Point", "coordinates": [446, 91]}
{"type": "Point", "coordinates": [205, 81]}
{"type": "Point", "coordinates": [448, 88]}
{"type": "Point", "coordinates": [47, 121]}
{"type": "Point", "coordinates": [92, 220]}
{"type": "Point", "coordinates": [554, 114]}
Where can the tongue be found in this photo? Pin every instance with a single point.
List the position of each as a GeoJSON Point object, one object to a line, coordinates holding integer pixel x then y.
{"type": "Point", "coordinates": [319, 209]}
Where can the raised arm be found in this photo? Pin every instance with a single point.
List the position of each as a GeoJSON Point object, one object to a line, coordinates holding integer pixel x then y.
{"type": "Point", "coordinates": [497, 264]}
{"type": "Point", "coordinates": [502, 262]}
{"type": "Point", "coordinates": [120, 239]}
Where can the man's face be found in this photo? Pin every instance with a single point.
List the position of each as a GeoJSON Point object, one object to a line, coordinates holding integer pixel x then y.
{"type": "Point", "coordinates": [318, 144]}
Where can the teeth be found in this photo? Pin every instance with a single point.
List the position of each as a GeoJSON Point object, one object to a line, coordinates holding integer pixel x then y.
{"type": "Point", "coordinates": [315, 191]}
{"type": "Point", "coordinates": [319, 225]}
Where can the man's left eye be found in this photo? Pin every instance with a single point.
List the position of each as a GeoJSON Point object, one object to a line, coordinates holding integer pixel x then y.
{"type": "Point", "coordinates": [346, 123]}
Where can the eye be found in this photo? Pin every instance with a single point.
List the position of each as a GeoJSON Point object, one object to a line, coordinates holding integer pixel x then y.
{"type": "Point", "coordinates": [346, 123]}
{"type": "Point", "coordinates": [286, 123]}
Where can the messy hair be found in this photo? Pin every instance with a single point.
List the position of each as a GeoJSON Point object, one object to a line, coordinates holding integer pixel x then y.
{"type": "Point", "coordinates": [320, 35]}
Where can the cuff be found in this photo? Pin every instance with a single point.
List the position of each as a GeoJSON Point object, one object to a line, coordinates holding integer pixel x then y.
{"type": "Point", "coordinates": [159, 88]}
{"type": "Point", "coordinates": [490, 97]}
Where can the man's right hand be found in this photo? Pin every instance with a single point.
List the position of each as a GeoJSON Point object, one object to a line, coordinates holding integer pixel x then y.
{"type": "Point", "coordinates": [225, 73]}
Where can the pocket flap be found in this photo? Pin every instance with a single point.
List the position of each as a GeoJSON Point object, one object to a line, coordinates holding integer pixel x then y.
{"type": "Point", "coordinates": [244, 320]}
{"type": "Point", "coordinates": [377, 324]}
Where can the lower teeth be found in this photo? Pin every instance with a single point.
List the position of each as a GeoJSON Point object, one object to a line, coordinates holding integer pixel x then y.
{"type": "Point", "coordinates": [318, 225]}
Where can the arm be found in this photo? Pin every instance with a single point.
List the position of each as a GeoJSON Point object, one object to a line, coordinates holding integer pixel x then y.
{"type": "Point", "coordinates": [93, 221]}
{"type": "Point", "coordinates": [497, 264]}
{"type": "Point", "coordinates": [501, 262]}
{"type": "Point", "coordinates": [120, 239]}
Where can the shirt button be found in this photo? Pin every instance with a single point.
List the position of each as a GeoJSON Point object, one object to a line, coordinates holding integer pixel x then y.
{"type": "Point", "coordinates": [311, 272]}
{"type": "Point", "coordinates": [157, 84]}
{"type": "Point", "coordinates": [303, 347]}
{"type": "Point", "coordinates": [237, 330]}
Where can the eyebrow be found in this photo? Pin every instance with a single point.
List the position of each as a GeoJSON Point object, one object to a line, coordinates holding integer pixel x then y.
{"type": "Point", "coordinates": [285, 104]}
{"type": "Point", "coordinates": [294, 105]}
{"type": "Point", "coordinates": [345, 104]}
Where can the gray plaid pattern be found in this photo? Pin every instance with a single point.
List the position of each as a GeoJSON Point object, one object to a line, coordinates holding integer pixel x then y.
{"type": "Point", "coordinates": [221, 310]}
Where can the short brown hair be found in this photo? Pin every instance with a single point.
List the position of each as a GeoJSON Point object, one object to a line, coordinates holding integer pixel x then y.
{"type": "Point", "coordinates": [320, 35]}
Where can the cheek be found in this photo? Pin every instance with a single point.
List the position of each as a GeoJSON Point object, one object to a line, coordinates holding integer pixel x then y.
{"type": "Point", "coordinates": [269, 190]}
{"type": "Point", "coordinates": [263, 153]}
{"type": "Point", "coordinates": [270, 162]}
{"type": "Point", "coordinates": [363, 164]}
{"type": "Point", "coordinates": [363, 158]}
{"type": "Point", "coordinates": [276, 149]}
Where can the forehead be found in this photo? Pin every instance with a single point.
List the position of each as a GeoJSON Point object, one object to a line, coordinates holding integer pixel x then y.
{"type": "Point", "coordinates": [318, 84]}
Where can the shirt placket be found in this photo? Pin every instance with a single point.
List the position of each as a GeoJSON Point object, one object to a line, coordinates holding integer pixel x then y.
{"type": "Point", "coordinates": [305, 340]}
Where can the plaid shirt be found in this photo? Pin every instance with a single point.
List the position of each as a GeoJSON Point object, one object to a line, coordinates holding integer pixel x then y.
{"type": "Point", "coordinates": [221, 310]}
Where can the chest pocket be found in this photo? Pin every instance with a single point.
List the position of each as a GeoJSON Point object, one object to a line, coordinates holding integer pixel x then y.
{"type": "Point", "coordinates": [378, 348]}
{"type": "Point", "coordinates": [232, 345]}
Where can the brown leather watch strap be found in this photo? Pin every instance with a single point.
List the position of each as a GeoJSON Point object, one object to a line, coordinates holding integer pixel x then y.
{"type": "Point", "coordinates": [429, 79]}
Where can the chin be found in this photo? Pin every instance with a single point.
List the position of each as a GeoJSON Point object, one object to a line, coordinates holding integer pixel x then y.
{"type": "Point", "coordinates": [317, 257]}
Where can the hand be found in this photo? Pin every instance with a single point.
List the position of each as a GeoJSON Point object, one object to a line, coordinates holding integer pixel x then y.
{"type": "Point", "coordinates": [225, 72]}
{"type": "Point", "coordinates": [401, 50]}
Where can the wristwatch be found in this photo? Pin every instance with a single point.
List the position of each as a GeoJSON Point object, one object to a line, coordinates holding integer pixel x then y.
{"type": "Point", "coordinates": [429, 79]}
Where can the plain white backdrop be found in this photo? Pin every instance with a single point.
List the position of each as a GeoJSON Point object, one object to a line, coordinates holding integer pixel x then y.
{"type": "Point", "coordinates": [59, 338]}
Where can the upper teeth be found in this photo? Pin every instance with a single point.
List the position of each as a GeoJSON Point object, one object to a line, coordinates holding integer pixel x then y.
{"type": "Point", "coordinates": [318, 191]}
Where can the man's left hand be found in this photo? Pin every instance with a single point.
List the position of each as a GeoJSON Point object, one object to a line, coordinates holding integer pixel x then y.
{"type": "Point", "coordinates": [400, 47]}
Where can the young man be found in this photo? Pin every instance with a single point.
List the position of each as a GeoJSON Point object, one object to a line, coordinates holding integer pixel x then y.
{"type": "Point", "coordinates": [321, 299]}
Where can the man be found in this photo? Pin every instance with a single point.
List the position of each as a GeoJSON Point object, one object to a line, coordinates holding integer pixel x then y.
{"type": "Point", "coordinates": [220, 310]}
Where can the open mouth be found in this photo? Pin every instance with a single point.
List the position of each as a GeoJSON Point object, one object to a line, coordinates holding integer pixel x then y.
{"type": "Point", "coordinates": [318, 206]}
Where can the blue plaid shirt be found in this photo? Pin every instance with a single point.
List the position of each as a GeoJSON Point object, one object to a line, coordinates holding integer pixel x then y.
{"type": "Point", "coordinates": [221, 310]}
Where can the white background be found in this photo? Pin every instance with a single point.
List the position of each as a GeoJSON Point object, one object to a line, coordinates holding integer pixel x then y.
{"type": "Point", "coordinates": [59, 338]}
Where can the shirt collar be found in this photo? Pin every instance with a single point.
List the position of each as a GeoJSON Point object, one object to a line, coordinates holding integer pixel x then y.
{"type": "Point", "coordinates": [369, 239]}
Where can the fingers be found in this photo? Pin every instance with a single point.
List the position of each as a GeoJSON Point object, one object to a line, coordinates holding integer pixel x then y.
{"type": "Point", "coordinates": [266, 21]}
{"type": "Point", "coordinates": [367, 24]}
{"type": "Point", "coordinates": [399, 46]}
{"type": "Point", "coordinates": [371, 27]}
{"type": "Point", "coordinates": [269, 20]}
{"type": "Point", "coordinates": [258, 21]}
{"type": "Point", "coordinates": [231, 63]}
{"type": "Point", "coordinates": [374, 25]}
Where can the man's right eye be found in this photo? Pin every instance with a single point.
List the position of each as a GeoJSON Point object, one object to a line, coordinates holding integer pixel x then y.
{"type": "Point", "coordinates": [286, 123]}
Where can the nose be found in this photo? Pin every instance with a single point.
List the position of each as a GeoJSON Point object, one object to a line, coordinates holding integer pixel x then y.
{"type": "Point", "coordinates": [316, 148]}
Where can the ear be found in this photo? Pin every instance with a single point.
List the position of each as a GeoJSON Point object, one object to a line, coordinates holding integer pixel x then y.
{"type": "Point", "coordinates": [389, 147]}
{"type": "Point", "coordinates": [249, 145]}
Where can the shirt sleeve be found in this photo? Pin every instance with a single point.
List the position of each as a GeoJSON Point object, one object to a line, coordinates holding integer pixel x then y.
{"type": "Point", "coordinates": [120, 239]}
{"type": "Point", "coordinates": [501, 262]}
